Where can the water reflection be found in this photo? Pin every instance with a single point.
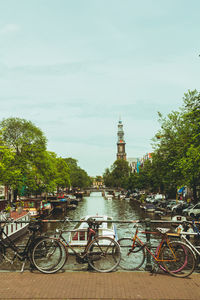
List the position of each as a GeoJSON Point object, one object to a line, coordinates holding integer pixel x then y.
{"type": "Point", "coordinates": [96, 204]}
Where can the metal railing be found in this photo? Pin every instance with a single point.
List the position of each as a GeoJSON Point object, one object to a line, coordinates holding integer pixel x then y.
{"type": "Point", "coordinates": [147, 230]}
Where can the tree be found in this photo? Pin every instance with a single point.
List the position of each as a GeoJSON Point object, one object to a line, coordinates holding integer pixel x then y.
{"type": "Point", "coordinates": [62, 176]}
{"type": "Point", "coordinates": [78, 177]}
{"type": "Point", "coordinates": [108, 178]}
{"type": "Point", "coordinates": [118, 175]}
{"type": "Point", "coordinates": [26, 142]}
{"type": "Point", "coordinates": [22, 136]}
{"type": "Point", "coordinates": [178, 145]}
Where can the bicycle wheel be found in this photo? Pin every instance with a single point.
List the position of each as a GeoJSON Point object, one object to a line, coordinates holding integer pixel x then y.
{"type": "Point", "coordinates": [178, 259]}
{"type": "Point", "coordinates": [131, 259]}
{"type": "Point", "coordinates": [49, 255]}
{"type": "Point", "coordinates": [103, 254]}
{"type": "Point", "coordinates": [31, 247]}
{"type": "Point", "coordinates": [2, 254]}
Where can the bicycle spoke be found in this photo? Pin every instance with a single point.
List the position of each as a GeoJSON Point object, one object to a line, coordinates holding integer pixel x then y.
{"type": "Point", "coordinates": [131, 259]}
{"type": "Point", "coordinates": [178, 259]}
{"type": "Point", "coordinates": [103, 254]}
{"type": "Point", "coordinates": [49, 255]}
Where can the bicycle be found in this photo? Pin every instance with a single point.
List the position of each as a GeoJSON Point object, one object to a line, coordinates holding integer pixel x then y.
{"type": "Point", "coordinates": [9, 250]}
{"type": "Point", "coordinates": [185, 235]}
{"type": "Point", "coordinates": [101, 253]}
{"type": "Point", "coordinates": [175, 257]}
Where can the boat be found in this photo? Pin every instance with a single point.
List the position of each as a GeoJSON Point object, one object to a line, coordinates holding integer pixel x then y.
{"type": "Point", "coordinates": [178, 218]}
{"type": "Point", "coordinates": [108, 196]}
{"type": "Point", "coordinates": [12, 229]}
{"type": "Point", "coordinates": [78, 236]}
{"type": "Point", "coordinates": [38, 207]}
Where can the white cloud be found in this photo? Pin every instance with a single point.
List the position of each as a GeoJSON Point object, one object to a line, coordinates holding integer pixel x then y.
{"type": "Point", "coordinates": [9, 28]}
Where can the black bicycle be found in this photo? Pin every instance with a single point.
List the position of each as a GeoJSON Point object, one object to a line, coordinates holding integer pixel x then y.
{"type": "Point", "coordinates": [48, 248]}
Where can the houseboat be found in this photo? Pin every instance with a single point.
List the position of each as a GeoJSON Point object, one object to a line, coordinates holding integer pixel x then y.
{"type": "Point", "coordinates": [12, 229]}
{"type": "Point", "coordinates": [78, 236]}
{"type": "Point", "coordinates": [37, 207]}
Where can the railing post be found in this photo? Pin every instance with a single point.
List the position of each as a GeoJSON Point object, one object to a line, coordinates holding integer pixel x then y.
{"type": "Point", "coordinates": [148, 266]}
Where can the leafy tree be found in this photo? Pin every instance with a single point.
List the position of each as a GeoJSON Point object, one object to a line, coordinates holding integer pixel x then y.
{"type": "Point", "coordinates": [22, 136]}
{"type": "Point", "coordinates": [63, 177]}
{"type": "Point", "coordinates": [27, 142]}
{"type": "Point", "coordinates": [78, 177]}
{"type": "Point", "coordinates": [178, 145]}
{"type": "Point", "coordinates": [118, 175]}
{"type": "Point", "coordinates": [108, 178]}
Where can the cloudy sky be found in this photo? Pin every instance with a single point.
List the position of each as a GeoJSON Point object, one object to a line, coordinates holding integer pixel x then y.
{"type": "Point", "coordinates": [74, 67]}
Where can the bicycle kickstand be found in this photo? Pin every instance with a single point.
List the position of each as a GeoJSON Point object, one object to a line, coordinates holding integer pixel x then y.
{"type": "Point", "coordinates": [23, 265]}
{"type": "Point", "coordinates": [154, 269]}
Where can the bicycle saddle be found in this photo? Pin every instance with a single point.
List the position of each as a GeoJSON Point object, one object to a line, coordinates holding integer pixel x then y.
{"type": "Point", "coordinates": [163, 230]}
{"type": "Point", "coordinates": [34, 227]}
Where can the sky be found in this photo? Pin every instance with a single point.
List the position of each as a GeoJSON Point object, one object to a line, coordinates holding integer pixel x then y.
{"type": "Point", "coordinates": [75, 67]}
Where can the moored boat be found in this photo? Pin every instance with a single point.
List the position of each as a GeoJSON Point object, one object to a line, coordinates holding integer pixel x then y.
{"type": "Point", "coordinates": [78, 236]}
{"type": "Point", "coordinates": [12, 229]}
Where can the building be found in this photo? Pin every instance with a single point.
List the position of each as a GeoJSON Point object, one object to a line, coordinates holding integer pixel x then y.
{"type": "Point", "coordinates": [132, 162]}
{"type": "Point", "coordinates": [121, 153]}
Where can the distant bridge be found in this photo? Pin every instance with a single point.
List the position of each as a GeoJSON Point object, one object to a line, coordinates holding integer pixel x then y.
{"type": "Point", "coordinates": [95, 189]}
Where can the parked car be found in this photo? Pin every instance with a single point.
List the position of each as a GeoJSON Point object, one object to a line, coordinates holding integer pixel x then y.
{"type": "Point", "coordinates": [149, 198]}
{"type": "Point", "coordinates": [171, 203]}
{"type": "Point", "coordinates": [159, 197]}
{"type": "Point", "coordinates": [186, 210]}
{"type": "Point", "coordinates": [194, 211]}
{"type": "Point", "coordinates": [179, 207]}
{"type": "Point", "coordinates": [162, 203]}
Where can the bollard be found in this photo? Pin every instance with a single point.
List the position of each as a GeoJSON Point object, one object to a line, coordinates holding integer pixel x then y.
{"type": "Point", "coordinates": [148, 266]}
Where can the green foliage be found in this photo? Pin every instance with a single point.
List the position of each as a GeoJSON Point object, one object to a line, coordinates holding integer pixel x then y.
{"type": "Point", "coordinates": [119, 174]}
{"type": "Point", "coordinates": [78, 177]}
{"type": "Point", "coordinates": [25, 164]}
{"type": "Point", "coordinates": [176, 154]}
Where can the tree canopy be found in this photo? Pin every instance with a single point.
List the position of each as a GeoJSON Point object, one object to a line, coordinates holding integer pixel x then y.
{"type": "Point", "coordinates": [27, 167]}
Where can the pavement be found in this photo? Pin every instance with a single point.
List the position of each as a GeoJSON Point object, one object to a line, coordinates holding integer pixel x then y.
{"type": "Point", "coordinates": [90, 285]}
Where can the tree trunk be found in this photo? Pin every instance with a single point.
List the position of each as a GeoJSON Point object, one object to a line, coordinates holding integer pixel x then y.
{"type": "Point", "coordinates": [195, 193]}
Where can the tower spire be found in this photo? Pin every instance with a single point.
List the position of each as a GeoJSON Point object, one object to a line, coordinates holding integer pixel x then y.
{"type": "Point", "coordinates": [121, 153]}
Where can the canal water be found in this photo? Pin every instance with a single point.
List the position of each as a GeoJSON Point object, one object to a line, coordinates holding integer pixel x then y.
{"type": "Point", "coordinates": [96, 204]}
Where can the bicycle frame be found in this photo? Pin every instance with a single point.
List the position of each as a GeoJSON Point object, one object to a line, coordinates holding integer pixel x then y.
{"type": "Point", "coordinates": [193, 247]}
{"type": "Point", "coordinates": [92, 233]}
{"type": "Point", "coordinates": [8, 243]}
{"type": "Point", "coordinates": [164, 241]}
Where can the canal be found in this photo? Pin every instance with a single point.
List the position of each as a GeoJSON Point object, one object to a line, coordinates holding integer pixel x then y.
{"type": "Point", "coordinates": [96, 204]}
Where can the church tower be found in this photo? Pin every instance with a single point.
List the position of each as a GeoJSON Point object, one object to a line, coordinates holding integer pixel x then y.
{"type": "Point", "coordinates": [121, 153]}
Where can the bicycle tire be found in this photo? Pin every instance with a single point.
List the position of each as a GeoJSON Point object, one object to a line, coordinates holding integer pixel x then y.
{"type": "Point", "coordinates": [2, 253]}
{"type": "Point", "coordinates": [103, 254]}
{"type": "Point", "coordinates": [183, 264]}
{"type": "Point", "coordinates": [31, 247]}
{"type": "Point", "coordinates": [49, 255]}
{"type": "Point", "coordinates": [161, 265]}
{"type": "Point", "coordinates": [131, 259]}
